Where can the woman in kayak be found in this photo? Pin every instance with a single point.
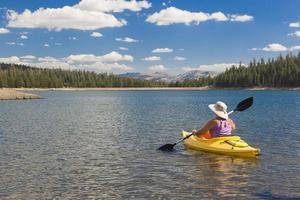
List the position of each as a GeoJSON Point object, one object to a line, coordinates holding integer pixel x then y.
{"type": "Point", "coordinates": [220, 126]}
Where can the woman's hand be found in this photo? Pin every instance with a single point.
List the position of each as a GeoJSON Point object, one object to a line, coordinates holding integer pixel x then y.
{"type": "Point", "coordinates": [194, 132]}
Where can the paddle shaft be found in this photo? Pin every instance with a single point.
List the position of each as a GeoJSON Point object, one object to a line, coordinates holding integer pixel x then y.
{"type": "Point", "coordinates": [186, 137]}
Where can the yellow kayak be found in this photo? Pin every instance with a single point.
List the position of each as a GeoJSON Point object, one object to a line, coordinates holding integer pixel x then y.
{"type": "Point", "coordinates": [229, 145]}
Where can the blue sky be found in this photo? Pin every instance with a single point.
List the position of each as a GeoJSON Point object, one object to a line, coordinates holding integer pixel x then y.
{"type": "Point", "coordinates": [187, 35]}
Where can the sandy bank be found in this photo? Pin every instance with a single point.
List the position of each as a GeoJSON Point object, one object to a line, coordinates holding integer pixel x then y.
{"type": "Point", "coordinates": [12, 94]}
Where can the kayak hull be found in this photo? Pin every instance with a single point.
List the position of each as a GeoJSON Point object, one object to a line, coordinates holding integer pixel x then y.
{"type": "Point", "coordinates": [229, 145]}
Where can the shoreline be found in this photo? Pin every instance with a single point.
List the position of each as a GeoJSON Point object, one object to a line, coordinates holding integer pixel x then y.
{"type": "Point", "coordinates": [113, 89]}
{"type": "Point", "coordinates": [12, 94]}
{"type": "Point", "coordinates": [153, 88]}
{"type": "Point", "coordinates": [24, 93]}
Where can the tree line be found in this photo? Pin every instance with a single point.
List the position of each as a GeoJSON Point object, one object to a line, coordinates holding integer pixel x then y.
{"type": "Point", "coordinates": [16, 76]}
{"type": "Point", "coordinates": [279, 72]}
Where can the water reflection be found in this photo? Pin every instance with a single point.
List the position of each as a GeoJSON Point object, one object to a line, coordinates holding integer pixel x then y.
{"type": "Point", "coordinates": [224, 176]}
{"type": "Point", "coordinates": [102, 145]}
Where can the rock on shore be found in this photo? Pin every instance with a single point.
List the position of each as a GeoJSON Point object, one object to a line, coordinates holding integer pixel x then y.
{"type": "Point", "coordinates": [11, 94]}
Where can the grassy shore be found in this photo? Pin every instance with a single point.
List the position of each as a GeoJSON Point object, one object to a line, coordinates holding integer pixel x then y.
{"type": "Point", "coordinates": [12, 94]}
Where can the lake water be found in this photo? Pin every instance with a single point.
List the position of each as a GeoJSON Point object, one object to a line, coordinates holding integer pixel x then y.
{"type": "Point", "coordinates": [102, 145]}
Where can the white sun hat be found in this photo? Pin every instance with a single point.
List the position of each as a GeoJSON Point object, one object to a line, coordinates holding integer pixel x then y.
{"type": "Point", "coordinates": [220, 109]}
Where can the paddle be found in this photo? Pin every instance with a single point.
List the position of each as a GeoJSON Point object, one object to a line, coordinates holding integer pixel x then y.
{"type": "Point", "coordinates": [243, 105]}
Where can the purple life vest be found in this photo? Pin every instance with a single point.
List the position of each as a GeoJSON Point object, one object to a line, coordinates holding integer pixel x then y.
{"type": "Point", "coordinates": [223, 128]}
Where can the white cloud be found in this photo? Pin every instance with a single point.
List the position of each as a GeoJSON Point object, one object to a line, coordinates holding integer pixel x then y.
{"type": "Point", "coordinates": [24, 37]}
{"type": "Point", "coordinates": [51, 62]}
{"type": "Point", "coordinates": [181, 49]}
{"type": "Point", "coordinates": [72, 38]}
{"type": "Point", "coordinates": [179, 58]}
{"type": "Point", "coordinates": [220, 67]}
{"type": "Point", "coordinates": [13, 43]}
{"type": "Point", "coordinates": [47, 59]}
{"type": "Point", "coordinates": [112, 6]}
{"type": "Point", "coordinates": [30, 57]}
{"type": "Point", "coordinates": [96, 34]}
{"type": "Point", "coordinates": [157, 68]}
{"type": "Point", "coordinates": [4, 31]}
{"type": "Point", "coordinates": [275, 47]}
{"type": "Point", "coordinates": [105, 67]}
{"type": "Point", "coordinates": [86, 15]}
{"type": "Point", "coordinates": [296, 34]}
{"type": "Point", "coordinates": [10, 43]}
{"type": "Point", "coordinates": [123, 48]}
{"type": "Point", "coordinates": [115, 57]}
{"type": "Point", "coordinates": [174, 15]}
{"type": "Point", "coordinates": [52, 65]}
{"type": "Point", "coordinates": [88, 58]}
{"type": "Point", "coordinates": [152, 58]}
{"type": "Point", "coordinates": [82, 58]}
{"type": "Point", "coordinates": [62, 18]}
{"type": "Point", "coordinates": [46, 62]}
{"type": "Point", "coordinates": [294, 48]}
{"type": "Point", "coordinates": [12, 59]}
{"type": "Point", "coordinates": [46, 45]}
{"type": "Point", "coordinates": [57, 44]}
{"type": "Point", "coordinates": [294, 24]}
{"type": "Point", "coordinates": [162, 50]}
{"type": "Point", "coordinates": [126, 39]}
{"type": "Point", "coordinates": [218, 16]}
{"type": "Point", "coordinates": [241, 18]}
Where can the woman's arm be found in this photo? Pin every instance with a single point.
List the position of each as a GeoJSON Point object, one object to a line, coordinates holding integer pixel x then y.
{"type": "Point", "coordinates": [233, 126]}
{"type": "Point", "coordinates": [210, 124]}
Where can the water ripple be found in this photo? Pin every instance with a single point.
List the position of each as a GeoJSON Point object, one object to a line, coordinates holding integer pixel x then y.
{"type": "Point", "coordinates": [102, 145]}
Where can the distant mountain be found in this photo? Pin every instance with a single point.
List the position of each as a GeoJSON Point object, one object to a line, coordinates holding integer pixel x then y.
{"type": "Point", "coordinates": [195, 74]}
{"type": "Point", "coordinates": [155, 76]}
{"type": "Point", "coordinates": [163, 76]}
{"type": "Point", "coordinates": [135, 75]}
{"type": "Point", "coordinates": [160, 76]}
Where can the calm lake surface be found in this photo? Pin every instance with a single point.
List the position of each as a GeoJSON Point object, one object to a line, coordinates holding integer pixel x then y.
{"type": "Point", "coordinates": [102, 145]}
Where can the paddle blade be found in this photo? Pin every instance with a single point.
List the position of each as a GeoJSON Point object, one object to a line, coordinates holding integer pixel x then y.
{"type": "Point", "coordinates": [245, 104]}
{"type": "Point", "coordinates": [167, 147]}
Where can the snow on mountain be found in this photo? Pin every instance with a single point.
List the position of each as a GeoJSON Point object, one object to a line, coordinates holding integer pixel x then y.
{"type": "Point", "coordinates": [135, 75]}
{"type": "Point", "coordinates": [195, 74]}
{"type": "Point", "coordinates": [155, 76]}
{"type": "Point", "coordinates": [163, 76]}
